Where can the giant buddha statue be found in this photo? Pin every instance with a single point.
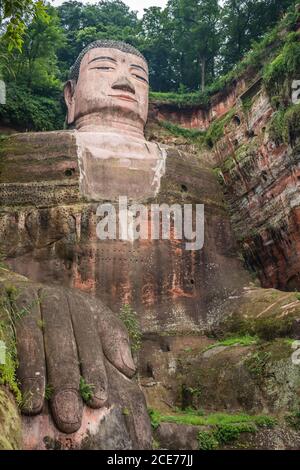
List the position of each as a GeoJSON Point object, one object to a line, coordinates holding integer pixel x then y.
{"type": "Point", "coordinates": [51, 184]}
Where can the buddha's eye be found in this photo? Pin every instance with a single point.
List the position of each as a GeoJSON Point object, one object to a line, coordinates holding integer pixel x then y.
{"type": "Point", "coordinates": [105, 69]}
{"type": "Point", "coordinates": [139, 77]}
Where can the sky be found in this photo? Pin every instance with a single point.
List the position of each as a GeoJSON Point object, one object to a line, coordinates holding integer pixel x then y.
{"type": "Point", "coordinates": [137, 5]}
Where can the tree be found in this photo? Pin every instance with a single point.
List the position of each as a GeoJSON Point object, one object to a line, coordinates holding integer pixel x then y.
{"type": "Point", "coordinates": [86, 23]}
{"type": "Point", "coordinates": [14, 16]}
{"type": "Point", "coordinates": [245, 21]}
{"type": "Point", "coordinates": [196, 26]}
{"type": "Point", "coordinates": [158, 48]}
{"type": "Point", "coordinates": [36, 65]}
{"type": "Point", "coordinates": [32, 76]}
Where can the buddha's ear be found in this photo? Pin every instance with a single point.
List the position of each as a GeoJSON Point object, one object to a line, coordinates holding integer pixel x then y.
{"type": "Point", "coordinates": [69, 94]}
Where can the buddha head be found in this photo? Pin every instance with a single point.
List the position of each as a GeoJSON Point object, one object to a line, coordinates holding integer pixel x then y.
{"type": "Point", "coordinates": [108, 87]}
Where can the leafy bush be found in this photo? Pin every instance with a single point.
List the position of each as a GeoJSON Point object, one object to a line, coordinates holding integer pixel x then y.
{"type": "Point", "coordinates": [276, 127]}
{"type": "Point", "coordinates": [179, 131]}
{"type": "Point", "coordinates": [130, 319]}
{"type": "Point", "coordinates": [7, 335]}
{"type": "Point", "coordinates": [237, 328]}
{"type": "Point", "coordinates": [226, 433]}
{"type": "Point", "coordinates": [270, 328]}
{"type": "Point", "coordinates": [207, 441]}
{"type": "Point", "coordinates": [293, 420]}
{"type": "Point", "coordinates": [257, 363]}
{"type": "Point", "coordinates": [292, 124]}
{"type": "Point", "coordinates": [216, 130]}
{"type": "Point", "coordinates": [86, 390]}
{"type": "Point", "coordinates": [224, 428]}
{"type": "Point", "coordinates": [27, 111]}
{"type": "Point", "coordinates": [246, 340]}
{"type": "Point", "coordinates": [281, 50]}
{"type": "Point", "coordinates": [284, 68]}
{"type": "Point", "coordinates": [154, 418]}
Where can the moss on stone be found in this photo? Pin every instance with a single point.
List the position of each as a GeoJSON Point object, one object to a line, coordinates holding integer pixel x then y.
{"type": "Point", "coordinates": [291, 125]}
{"type": "Point", "coordinates": [266, 328]}
{"type": "Point", "coordinates": [7, 335]}
{"type": "Point", "coordinates": [10, 422]}
{"type": "Point", "coordinates": [178, 131]}
{"type": "Point", "coordinates": [282, 69]}
{"type": "Point", "coordinates": [216, 130]}
{"type": "Point", "coordinates": [220, 428]}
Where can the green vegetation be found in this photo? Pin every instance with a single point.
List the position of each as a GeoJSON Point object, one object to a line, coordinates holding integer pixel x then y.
{"type": "Point", "coordinates": [41, 324]}
{"type": "Point", "coordinates": [262, 50]}
{"type": "Point", "coordinates": [181, 100]}
{"type": "Point", "coordinates": [49, 390]}
{"type": "Point", "coordinates": [277, 128]}
{"type": "Point", "coordinates": [126, 412]}
{"type": "Point", "coordinates": [246, 340]}
{"type": "Point", "coordinates": [216, 130]}
{"type": "Point", "coordinates": [224, 428]}
{"type": "Point", "coordinates": [213, 419]}
{"type": "Point", "coordinates": [39, 44]}
{"type": "Point", "coordinates": [2, 257]}
{"type": "Point", "coordinates": [293, 420]}
{"type": "Point", "coordinates": [257, 363]}
{"type": "Point", "coordinates": [9, 315]}
{"type": "Point", "coordinates": [291, 129]}
{"type": "Point", "coordinates": [207, 441]}
{"type": "Point", "coordinates": [130, 320]}
{"type": "Point", "coordinates": [86, 390]}
{"type": "Point", "coordinates": [28, 110]}
{"type": "Point", "coordinates": [270, 328]}
{"type": "Point", "coordinates": [265, 328]}
{"type": "Point", "coordinates": [208, 138]}
{"type": "Point", "coordinates": [179, 131]}
{"type": "Point", "coordinates": [155, 444]}
{"type": "Point", "coordinates": [227, 433]}
{"type": "Point", "coordinates": [278, 75]}
{"type": "Point", "coordinates": [14, 15]}
{"type": "Point", "coordinates": [284, 68]}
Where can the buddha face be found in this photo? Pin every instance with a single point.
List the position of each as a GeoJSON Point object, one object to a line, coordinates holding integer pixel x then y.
{"type": "Point", "coordinates": [112, 84]}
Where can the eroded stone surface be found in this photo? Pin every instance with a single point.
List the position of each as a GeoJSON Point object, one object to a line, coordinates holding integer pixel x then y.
{"type": "Point", "coordinates": [64, 337]}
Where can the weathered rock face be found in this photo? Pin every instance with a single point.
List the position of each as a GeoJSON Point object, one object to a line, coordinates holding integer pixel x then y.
{"type": "Point", "coordinates": [198, 385]}
{"type": "Point", "coordinates": [260, 179]}
{"type": "Point", "coordinates": [64, 337]}
{"type": "Point", "coordinates": [261, 183]}
{"type": "Point", "coordinates": [123, 424]}
{"type": "Point", "coordinates": [202, 373]}
{"type": "Point", "coordinates": [182, 437]}
{"type": "Point", "coordinates": [48, 232]}
{"type": "Point", "coordinates": [195, 116]}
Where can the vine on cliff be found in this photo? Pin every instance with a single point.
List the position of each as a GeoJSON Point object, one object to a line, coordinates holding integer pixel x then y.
{"type": "Point", "coordinates": [130, 320]}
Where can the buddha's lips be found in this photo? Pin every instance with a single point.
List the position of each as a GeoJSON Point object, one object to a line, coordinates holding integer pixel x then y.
{"type": "Point", "coordinates": [124, 97]}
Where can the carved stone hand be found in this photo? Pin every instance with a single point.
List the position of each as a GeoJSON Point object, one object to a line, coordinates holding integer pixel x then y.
{"type": "Point", "coordinates": [64, 337]}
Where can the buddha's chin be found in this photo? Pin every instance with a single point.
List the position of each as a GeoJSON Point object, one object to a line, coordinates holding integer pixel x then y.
{"type": "Point", "coordinates": [120, 117]}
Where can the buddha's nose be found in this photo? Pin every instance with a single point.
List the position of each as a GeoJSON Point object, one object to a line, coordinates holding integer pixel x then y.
{"type": "Point", "coordinates": [122, 83]}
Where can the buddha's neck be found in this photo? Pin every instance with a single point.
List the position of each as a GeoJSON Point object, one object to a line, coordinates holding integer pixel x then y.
{"type": "Point", "coordinates": [112, 124]}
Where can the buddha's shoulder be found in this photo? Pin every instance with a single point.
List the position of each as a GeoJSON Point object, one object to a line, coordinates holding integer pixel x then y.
{"type": "Point", "coordinates": [39, 168]}
{"type": "Point", "coordinates": [28, 144]}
